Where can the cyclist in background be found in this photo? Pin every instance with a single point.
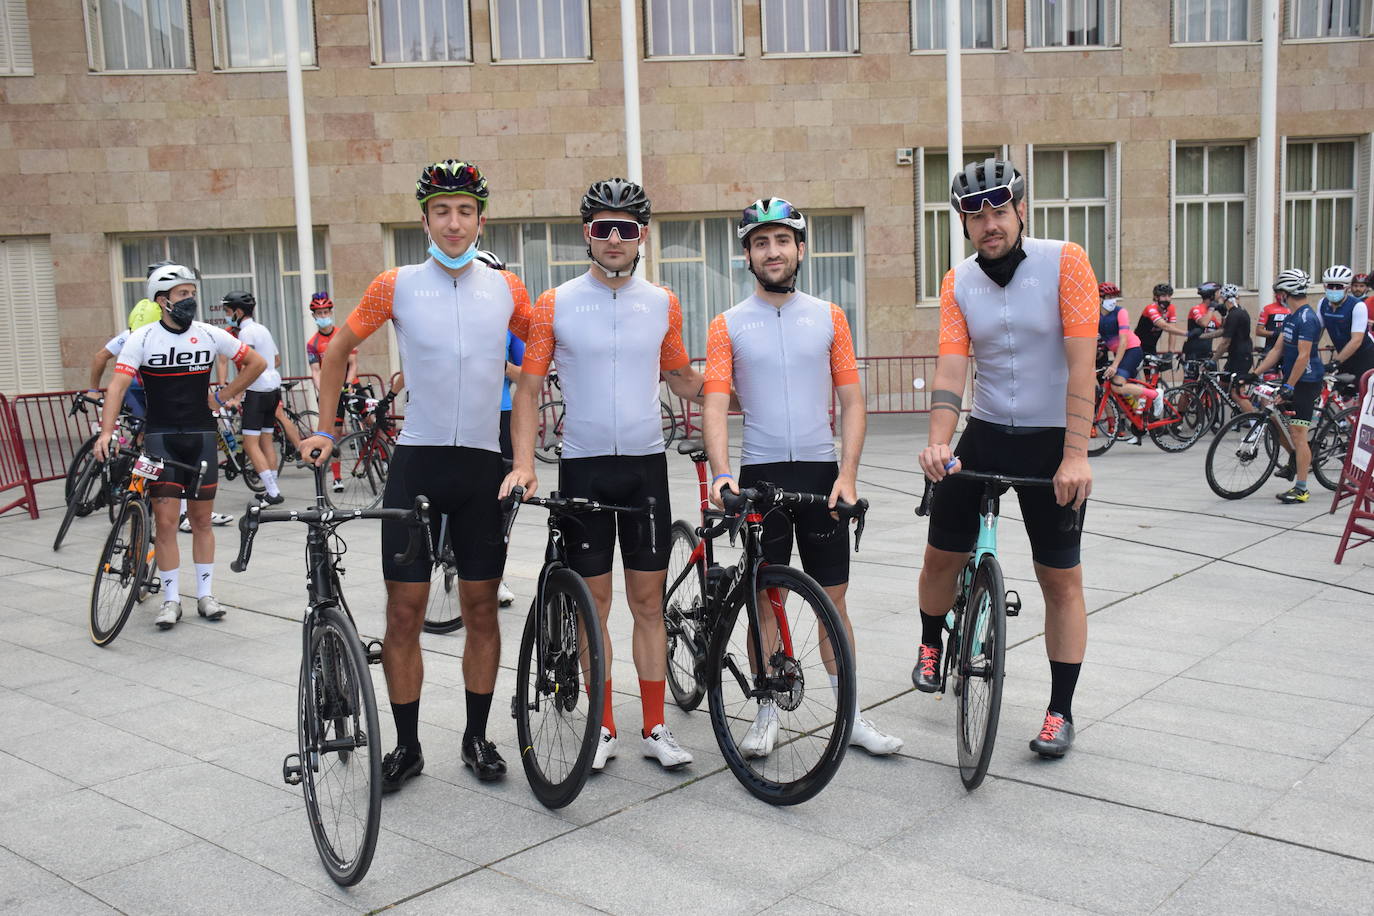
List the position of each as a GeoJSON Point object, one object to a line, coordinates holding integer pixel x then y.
{"type": "Point", "coordinates": [322, 311]}
{"type": "Point", "coordinates": [1157, 319]}
{"type": "Point", "coordinates": [1302, 374]}
{"type": "Point", "coordinates": [1271, 318]}
{"type": "Point", "coordinates": [1114, 332]}
{"type": "Point", "coordinates": [515, 355]}
{"type": "Point", "coordinates": [1346, 318]}
{"type": "Point", "coordinates": [1201, 318]}
{"type": "Point", "coordinates": [1235, 342]}
{"type": "Point", "coordinates": [1032, 411]}
{"type": "Point", "coordinates": [1359, 288]}
{"type": "Point", "coordinates": [136, 399]}
{"type": "Point", "coordinates": [263, 397]}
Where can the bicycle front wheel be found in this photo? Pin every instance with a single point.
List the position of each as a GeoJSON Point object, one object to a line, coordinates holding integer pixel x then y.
{"type": "Point", "coordinates": [1330, 442]}
{"type": "Point", "coordinates": [1180, 413]}
{"type": "Point", "coordinates": [340, 748]}
{"type": "Point", "coordinates": [783, 730]}
{"type": "Point", "coordinates": [1107, 425]}
{"type": "Point", "coordinates": [559, 689]}
{"type": "Point", "coordinates": [84, 456]}
{"type": "Point", "coordinates": [81, 500]}
{"type": "Point", "coordinates": [443, 613]}
{"type": "Point", "coordinates": [120, 573]}
{"type": "Point", "coordinates": [1242, 456]}
{"type": "Point", "coordinates": [978, 671]}
{"type": "Point", "coordinates": [684, 610]}
{"type": "Point", "coordinates": [364, 460]}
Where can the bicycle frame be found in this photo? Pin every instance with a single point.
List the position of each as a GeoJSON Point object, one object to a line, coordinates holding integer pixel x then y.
{"type": "Point", "coordinates": [1138, 423]}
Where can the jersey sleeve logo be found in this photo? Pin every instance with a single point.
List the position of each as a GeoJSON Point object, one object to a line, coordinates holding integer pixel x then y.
{"type": "Point", "coordinates": [194, 340]}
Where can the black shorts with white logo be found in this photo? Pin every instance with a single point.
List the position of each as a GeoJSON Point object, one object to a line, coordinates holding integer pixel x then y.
{"type": "Point", "coordinates": [260, 411]}
{"type": "Point", "coordinates": [459, 482]}
{"type": "Point", "coordinates": [619, 480]}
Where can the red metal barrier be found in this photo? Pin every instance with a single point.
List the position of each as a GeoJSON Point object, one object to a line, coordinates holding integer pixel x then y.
{"type": "Point", "coordinates": [1357, 481]}
{"type": "Point", "coordinates": [50, 437]}
{"type": "Point", "coordinates": [14, 465]}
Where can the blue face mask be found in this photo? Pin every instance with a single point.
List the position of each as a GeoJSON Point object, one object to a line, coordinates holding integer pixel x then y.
{"type": "Point", "coordinates": [452, 263]}
{"type": "Point", "coordinates": [324, 324]}
{"type": "Point", "coordinates": [1335, 295]}
{"type": "Point", "coordinates": [232, 321]}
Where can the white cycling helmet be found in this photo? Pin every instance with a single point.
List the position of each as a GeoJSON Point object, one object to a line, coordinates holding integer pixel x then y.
{"type": "Point", "coordinates": [1230, 291]}
{"type": "Point", "coordinates": [166, 278]}
{"type": "Point", "coordinates": [1293, 281]}
{"type": "Point", "coordinates": [1338, 273]}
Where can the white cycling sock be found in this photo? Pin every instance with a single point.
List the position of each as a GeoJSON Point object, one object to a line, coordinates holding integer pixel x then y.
{"type": "Point", "coordinates": [183, 508]}
{"type": "Point", "coordinates": [835, 686]}
{"type": "Point", "coordinates": [170, 592]}
{"type": "Point", "coordinates": [205, 576]}
{"type": "Point", "coordinates": [269, 480]}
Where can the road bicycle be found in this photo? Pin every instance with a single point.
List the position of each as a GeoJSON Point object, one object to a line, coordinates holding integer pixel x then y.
{"type": "Point", "coordinates": [339, 758]}
{"type": "Point", "coordinates": [303, 422]}
{"type": "Point", "coordinates": [973, 663]}
{"type": "Point", "coordinates": [1208, 397]}
{"type": "Point", "coordinates": [561, 669]}
{"type": "Point", "coordinates": [364, 455]}
{"type": "Point", "coordinates": [234, 461]}
{"type": "Point", "coordinates": [89, 485]}
{"type": "Point", "coordinates": [787, 658]}
{"type": "Point", "coordinates": [548, 435]}
{"type": "Point", "coordinates": [1246, 451]}
{"type": "Point", "coordinates": [443, 613]}
{"type": "Point", "coordinates": [126, 573]}
{"type": "Point", "coordinates": [1115, 418]}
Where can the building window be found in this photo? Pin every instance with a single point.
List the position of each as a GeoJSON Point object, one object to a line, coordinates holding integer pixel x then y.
{"type": "Point", "coordinates": [1319, 196]}
{"type": "Point", "coordinates": [1071, 200]}
{"type": "Point", "coordinates": [1211, 214]}
{"type": "Point", "coordinates": [16, 56]}
{"type": "Point", "coordinates": [137, 35]}
{"type": "Point", "coordinates": [980, 24]}
{"type": "Point", "coordinates": [30, 338]}
{"type": "Point", "coordinates": [701, 261]}
{"type": "Point", "coordinates": [938, 219]}
{"type": "Point", "coordinates": [693, 28]}
{"type": "Point", "coordinates": [420, 31]}
{"type": "Point", "coordinates": [250, 34]}
{"type": "Point", "coordinates": [1070, 23]}
{"type": "Point", "coordinates": [1211, 20]}
{"type": "Point", "coordinates": [1328, 18]}
{"type": "Point", "coordinates": [540, 30]}
{"type": "Point", "coordinates": [265, 263]}
{"type": "Point", "coordinates": [810, 26]}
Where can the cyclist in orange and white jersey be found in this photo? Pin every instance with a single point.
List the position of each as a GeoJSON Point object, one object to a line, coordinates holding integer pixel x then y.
{"type": "Point", "coordinates": [1028, 308]}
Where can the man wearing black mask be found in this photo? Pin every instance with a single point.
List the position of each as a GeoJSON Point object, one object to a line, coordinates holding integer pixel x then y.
{"type": "Point", "coordinates": [174, 357]}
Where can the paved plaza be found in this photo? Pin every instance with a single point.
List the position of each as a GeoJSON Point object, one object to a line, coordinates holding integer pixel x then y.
{"type": "Point", "coordinates": [1224, 762]}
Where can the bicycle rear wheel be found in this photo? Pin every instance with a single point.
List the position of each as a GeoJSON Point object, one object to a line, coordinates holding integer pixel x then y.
{"type": "Point", "coordinates": [1242, 456]}
{"type": "Point", "coordinates": [121, 572]}
{"type": "Point", "coordinates": [670, 422]}
{"type": "Point", "coordinates": [306, 424]}
{"type": "Point", "coordinates": [443, 614]}
{"type": "Point", "coordinates": [793, 757]}
{"type": "Point", "coordinates": [559, 687]}
{"type": "Point", "coordinates": [365, 460]}
{"type": "Point", "coordinates": [1330, 442]}
{"type": "Point", "coordinates": [684, 610]}
{"type": "Point", "coordinates": [340, 748]}
{"type": "Point", "coordinates": [1182, 432]}
{"type": "Point", "coordinates": [978, 671]}
{"type": "Point", "coordinates": [549, 433]}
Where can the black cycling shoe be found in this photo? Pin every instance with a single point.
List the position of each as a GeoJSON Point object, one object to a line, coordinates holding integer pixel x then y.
{"type": "Point", "coordinates": [480, 755]}
{"type": "Point", "coordinates": [1055, 738]}
{"type": "Point", "coordinates": [267, 499]}
{"type": "Point", "coordinates": [926, 674]}
{"type": "Point", "coordinates": [400, 765]}
{"type": "Point", "coordinates": [1288, 472]}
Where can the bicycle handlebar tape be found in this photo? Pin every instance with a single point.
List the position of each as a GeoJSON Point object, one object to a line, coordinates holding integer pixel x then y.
{"type": "Point", "coordinates": [419, 524]}
{"type": "Point", "coordinates": [248, 527]}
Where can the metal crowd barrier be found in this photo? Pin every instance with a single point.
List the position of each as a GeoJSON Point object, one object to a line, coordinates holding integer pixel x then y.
{"type": "Point", "coordinates": [14, 466]}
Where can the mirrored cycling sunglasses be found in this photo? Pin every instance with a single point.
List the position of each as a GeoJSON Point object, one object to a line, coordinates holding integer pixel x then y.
{"type": "Point", "coordinates": [997, 197]}
{"type": "Point", "coordinates": [627, 229]}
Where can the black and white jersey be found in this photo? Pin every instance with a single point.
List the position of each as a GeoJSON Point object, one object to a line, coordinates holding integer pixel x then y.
{"type": "Point", "coordinates": [176, 371]}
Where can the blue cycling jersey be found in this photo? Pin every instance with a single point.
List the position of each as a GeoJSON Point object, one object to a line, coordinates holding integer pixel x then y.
{"type": "Point", "coordinates": [1345, 317]}
{"type": "Point", "coordinates": [515, 353]}
{"type": "Point", "coordinates": [1302, 325]}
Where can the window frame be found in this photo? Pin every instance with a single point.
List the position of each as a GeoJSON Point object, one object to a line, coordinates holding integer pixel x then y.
{"type": "Point", "coordinates": [1359, 197]}
{"type": "Point", "coordinates": [1252, 28]}
{"type": "Point", "coordinates": [1246, 198]}
{"type": "Point", "coordinates": [494, 27]}
{"type": "Point", "coordinates": [852, 6]}
{"type": "Point", "coordinates": [1112, 11]}
{"type": "Point", "coordinates": [999, 41]}
{"type": "Point", "coordinates": [220, 42]}
{"type": "Point", "coordinates": [737, 7]}
{"type": "Point", "coordinates": [1112, 182]}
{"type": "Point", "coordinates": [14, 34]}
{"type": "Point", "coordinates": [1365, 31]}
{"type": "Point", "coordinates": [374, 27]}
{"type": "Point", "coordinates": [95, 53]}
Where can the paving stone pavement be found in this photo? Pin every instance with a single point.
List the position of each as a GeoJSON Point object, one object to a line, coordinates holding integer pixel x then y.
{"type": "Point", "coordinates": [1225, 755]}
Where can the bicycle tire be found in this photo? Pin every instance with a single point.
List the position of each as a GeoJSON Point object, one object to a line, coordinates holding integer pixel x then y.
{"type": "Point", "coordinates": [83, 456]}
{"type": "Point", "coordinates": [684, 610]}
{"type": "Point", "coordinates": [549, 432]}
{"type": "Point", "coordinates": [77, 504]}
{"type": "Point", "coordinates": [1177, 436]}
{"type": "Point", "coordinates": [1107, 423]}
{"type": "Point", "coordinates": [365, 462]}
{"type": "Point", "coordinates": [334, 678]}
{"type": "Point", "coordinates": [443, 612]}
{"type": "Point", "coordinates": [1330, 442]}
{"type": "Point", "coordinates": [1255, 453]}
{"type": "Point", "coordinates": [557, 679]}
{"type": "Point", "coordinates": [1192, 409]}
{"type": "Point", "coordinates": [250, 473]}
{"type": "Point", "coordinates": [669, 419]}
{"type": "Point", "coordinates": [120, 574]}
{"type": "Point", "coordinates": [114, 483]}
{"type": "Point", "coordinates": [823, 740]}
{"type": "Point", "coordinates": [979, 672]}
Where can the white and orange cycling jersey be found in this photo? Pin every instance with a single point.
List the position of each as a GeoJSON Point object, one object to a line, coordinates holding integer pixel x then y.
{"type": "Point", "coordinates": [452, 336]}
{"type": "Point", "coordinates": [1017, 332]}
{"type": "Point", "coordinates": [782, 363]}
{"type": "Point", "coordinates": [610, 347]}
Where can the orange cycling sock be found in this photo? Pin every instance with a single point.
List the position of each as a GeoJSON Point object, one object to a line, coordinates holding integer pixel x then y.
{"type": "Point", "coordinates": [335, 469]}
{"type": "Point", "coordinates": [651, 699]}
{"type": "Point", "coordinates": [607, 716]}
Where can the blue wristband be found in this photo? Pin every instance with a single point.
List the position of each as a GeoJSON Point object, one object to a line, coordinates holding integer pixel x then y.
{"type": "Point", "coordinates": [217, 398]}
{"type": "Point", "coordinates": [320, 432]}
{"type": "Point", "coordinates": [719, 476]}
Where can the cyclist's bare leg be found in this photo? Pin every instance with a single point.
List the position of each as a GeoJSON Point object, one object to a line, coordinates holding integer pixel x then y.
{"type": "Point", "coordinates": [939, 576]}
{"type": "Point", "coordinates": [482, 653]}
{"type": "Point", "coordinates": [1066, 613]}
{"type": "Point", "coordinates": [257, 452]}
{"type": "Point", "coordinates": [1123, 387]}
{"type": "Point", "coordinates": [166, 517]}
{"type": "Point", "coordinates": [644, 592]}
{"type": "Point", "coordinates": [600, 587]}
{"type": "Point", "coordinates": [1304, 451]}
{"type": "Point", "coordinates": [837, 595]}
{"type": "Point", "coordinates": [402, 662]}
{"type": "Point", "coordinates": [202, 534]}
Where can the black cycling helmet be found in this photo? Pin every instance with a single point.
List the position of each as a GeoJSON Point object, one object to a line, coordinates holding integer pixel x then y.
{"type": "Point", "coordinates": [1163, 289]}
{"type": "Point", "coordinates": [979, 182]}
{"type": "Point", "coordinates": [1208, 290]}
{"type": "Point", "coordinates": [490, 259]}
{"type": "Point", "coordinates": [239, 299]}
{"type": "Point", "coordinates": [616, 194]}
{"type": "Point", "coordinates": [452, 176]}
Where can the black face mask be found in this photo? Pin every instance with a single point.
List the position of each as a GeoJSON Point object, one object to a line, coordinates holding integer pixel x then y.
{"type": "Point", "coordinates": [183, 312]}
{"type": "Point", "coordinates": [1000, 270]}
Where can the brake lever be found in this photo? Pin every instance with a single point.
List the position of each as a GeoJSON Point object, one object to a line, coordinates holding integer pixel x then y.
{"type": "Point", "coordinates": [653, 529]}
{"type": "Point", "coordinates": [513, 501]}
{"type": "Point", "coordinates": [248, 529]}
{"type": "Point", "coordinates": [860, 520]}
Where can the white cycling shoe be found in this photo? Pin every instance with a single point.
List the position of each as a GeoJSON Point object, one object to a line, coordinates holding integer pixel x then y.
{"type": "Point", "coordinates": [504, 596]}
{"type": "Point", "coordinates": [168, 616]}
{"type": "Point", "coordinates": [762, 734]}
{"type": "Point", "coordinates": [337, 486]}
{"type": "Point", "coordinates": [1157, 406]}
{"type": "Point", "coordinates": [867, 736]}
{"type": "Point", "coordinates": [663, 747]}
{"type": "Point", "coordinates": [218, 519]}
{"type": "Point", "coordinates": [605, 749]}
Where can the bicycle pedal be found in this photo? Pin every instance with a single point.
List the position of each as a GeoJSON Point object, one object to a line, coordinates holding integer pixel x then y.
{"type": "Point", "coordinates": [374, 652]}
{"type": "Point", "coordinates": [1013, 603]}
{"type": "Point", "coordinates": [291, 772]}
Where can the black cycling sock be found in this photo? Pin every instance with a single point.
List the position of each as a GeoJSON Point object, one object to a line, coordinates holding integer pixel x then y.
{"type": "Point", "coordinates": [932, 629]}
{"type": "Point", "coordinates": [407, 716]}
{"type": "Point", "coordinates": [479, 707]}
{"type": "Point", "coordinates": [1063, 680]}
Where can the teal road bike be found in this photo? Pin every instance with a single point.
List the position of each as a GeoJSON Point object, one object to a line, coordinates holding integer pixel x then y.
{"type": "Point", "coordinates": [974, 660]}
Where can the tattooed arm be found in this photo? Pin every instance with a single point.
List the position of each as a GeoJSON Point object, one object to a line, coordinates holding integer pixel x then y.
{"type": "Point", "coordinates": [1074, 479]}
{"type": "Point", "coordinates": [951, 375]}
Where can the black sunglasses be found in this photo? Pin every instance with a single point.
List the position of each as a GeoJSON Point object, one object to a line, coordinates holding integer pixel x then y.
{"type": "Point", "coordinates": [627, 229]}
